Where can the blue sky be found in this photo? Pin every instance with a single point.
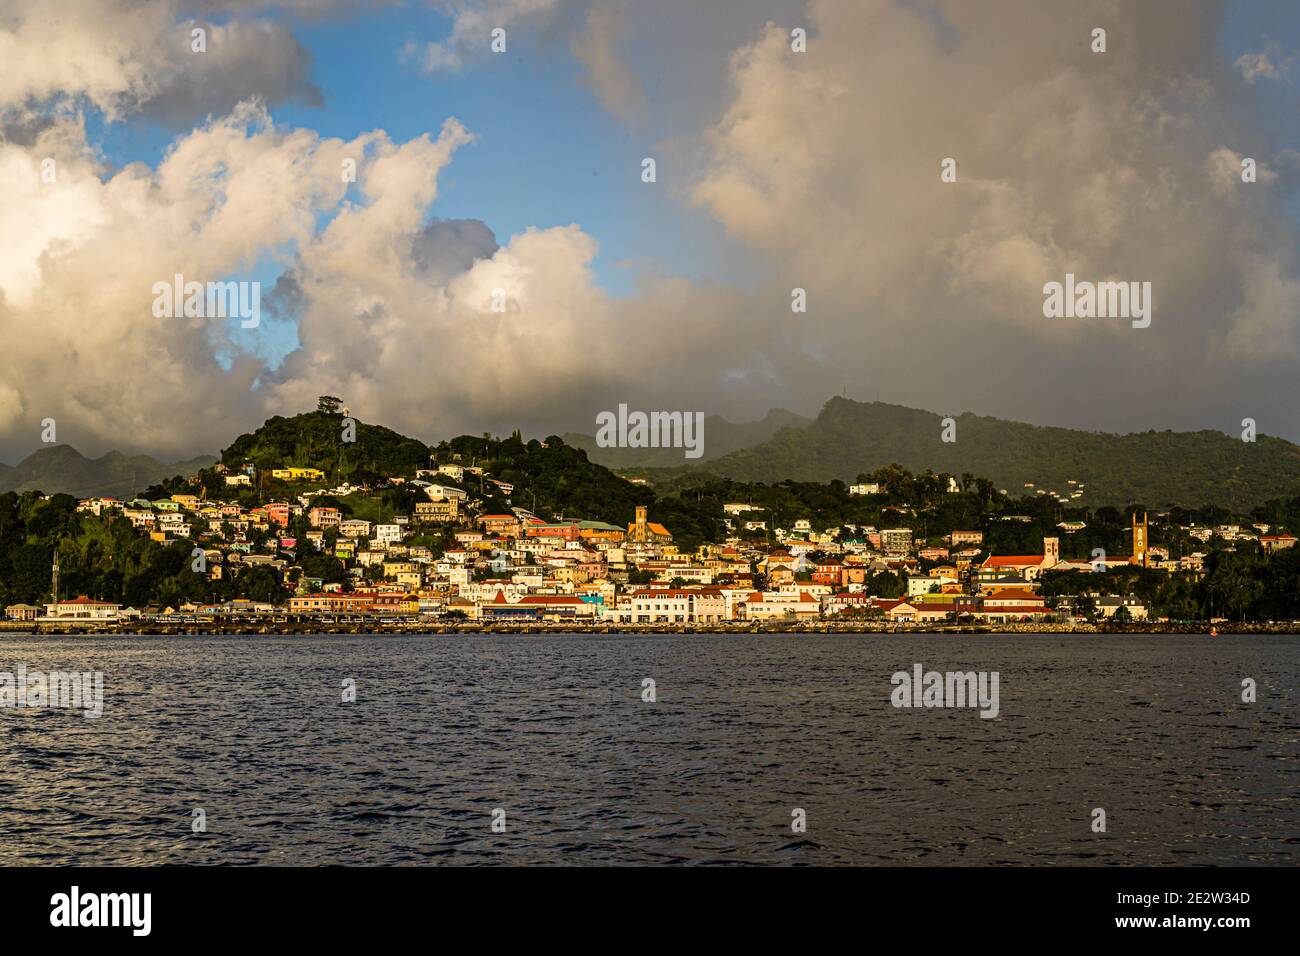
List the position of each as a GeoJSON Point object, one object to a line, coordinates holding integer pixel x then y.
{"type": "Point", "coordinates": [548, 154]}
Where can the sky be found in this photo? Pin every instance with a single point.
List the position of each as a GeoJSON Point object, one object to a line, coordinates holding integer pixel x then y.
{"type": "Point", "coordinates": [514, 180]}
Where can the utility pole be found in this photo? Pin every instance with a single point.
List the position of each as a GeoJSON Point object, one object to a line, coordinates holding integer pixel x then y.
{"type": "Point", "coordinates": [54, 577]}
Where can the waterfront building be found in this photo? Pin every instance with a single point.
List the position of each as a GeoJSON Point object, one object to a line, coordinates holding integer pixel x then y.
{"type": "Point", "coordinates": [82, 608]}
{"type": "Point", "coordinates": [22, 612]}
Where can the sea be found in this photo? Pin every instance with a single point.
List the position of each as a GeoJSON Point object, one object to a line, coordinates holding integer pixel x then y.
{"type": "Point", "coordinates": [582, 749]}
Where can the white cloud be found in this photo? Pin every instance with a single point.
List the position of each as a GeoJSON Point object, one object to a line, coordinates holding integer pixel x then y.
{"type": "Point", "coordinates": [121, 57]}
{"type": "Point", "coordinates": [1252, 66]}
{"type": "Point", "coordinates": [472, 26]}
{"type": "Point", "coordinates": [827, 165]}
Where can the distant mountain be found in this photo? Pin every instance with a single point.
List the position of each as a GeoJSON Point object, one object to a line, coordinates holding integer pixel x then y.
{"type": "Point", "coordinates": [63, 469]}
{"type": "Point", "coordinates": [1157, 469]}
{"type": "Point", "coordinates": [720, 437]}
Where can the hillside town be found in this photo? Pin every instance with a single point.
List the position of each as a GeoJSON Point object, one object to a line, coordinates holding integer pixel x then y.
{"type": "Point", "coordinates": [451, 558]}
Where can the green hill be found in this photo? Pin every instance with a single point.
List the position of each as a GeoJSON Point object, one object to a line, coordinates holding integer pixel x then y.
{"type": "Point", "coordinates": [61, 469]}
{"type": "Point", "coordinates": [1158, 469]}
{"type": "Point", "coordinates": [315, 440]}
{"type": "Point", "coordinates": [720, 437]}
{"type": "Point", "coordinates": [550, 478]}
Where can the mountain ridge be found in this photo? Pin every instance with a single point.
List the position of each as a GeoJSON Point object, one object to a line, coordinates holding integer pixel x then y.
{"type": "Point", "coordinates": [850, 438]}
{"type": "Point", "coordinates": [61, 469]}
{"type": "Point", "coordinates": [721, 436]}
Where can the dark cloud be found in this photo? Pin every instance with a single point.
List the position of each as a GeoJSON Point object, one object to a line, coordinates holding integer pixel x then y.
{"type": "Point", "coordinates": [448, 247]}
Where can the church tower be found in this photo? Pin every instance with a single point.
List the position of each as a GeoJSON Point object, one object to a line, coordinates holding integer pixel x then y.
{"type": "Point", "coordinates": [1139, 540]}
{"type": "Point", "coordinates": [640, 533]}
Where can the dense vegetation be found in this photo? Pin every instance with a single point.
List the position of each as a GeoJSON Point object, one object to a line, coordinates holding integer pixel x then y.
{"type": "Point", "coordinates": [550, 478]}
{"type": "Point", "coordinates": [105, 558]}
{"type": "Point", "coordinates": [315, 440]}
{"type": "Point", "coordinates": [1246, 584]}
{"type": "Point", "coordinates": [1163, 469]}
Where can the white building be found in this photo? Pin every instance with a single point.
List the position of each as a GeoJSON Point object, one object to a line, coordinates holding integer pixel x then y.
{"type": "Point", "coordinates": [82, 608]}
{"type": "Point", "coordinates": [388, 533]}
{"type": "Point", "coordinates": [671, 606]}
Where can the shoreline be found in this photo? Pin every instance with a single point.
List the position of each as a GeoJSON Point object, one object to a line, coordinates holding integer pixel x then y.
{"type": "Point", "coordinates": [362, 627]}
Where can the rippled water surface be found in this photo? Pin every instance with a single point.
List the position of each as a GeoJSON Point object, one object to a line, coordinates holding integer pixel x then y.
{"type": "Point", "coordinates": [745, 728]}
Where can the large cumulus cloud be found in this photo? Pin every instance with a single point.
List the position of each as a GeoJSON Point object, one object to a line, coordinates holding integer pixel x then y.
{"type": "Point", "coordinates": [1123, 165]}
{"type": "Point", "coordinates": [823, 165]}
{"type": "Point", "coordinates": [124, 58]}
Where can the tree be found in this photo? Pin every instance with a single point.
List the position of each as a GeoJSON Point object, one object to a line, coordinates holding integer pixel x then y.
{"type": "Point", "coordinates": [261, 583]}
{"type": "Point", "coordinates": [329, 404]}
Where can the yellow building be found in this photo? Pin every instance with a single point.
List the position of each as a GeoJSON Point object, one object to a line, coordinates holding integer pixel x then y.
{"type": "Point", "coordinates": [298, 474]}
{"type": "Point", "coordinates": [642, 531]}
{"type": "Point", "coordinates": [1141, 541]}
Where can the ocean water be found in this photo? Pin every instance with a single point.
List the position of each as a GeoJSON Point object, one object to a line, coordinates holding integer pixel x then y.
{"type": "Point", "coordinates": [551, 733]}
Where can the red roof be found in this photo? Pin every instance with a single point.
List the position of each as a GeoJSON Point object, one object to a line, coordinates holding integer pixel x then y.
{"type": "Point", "coordinates": [1015, 560]}
{"type": "Point", "coordinates": [888, 604]}
{"type": "Point", "coordinates": [81, 599]}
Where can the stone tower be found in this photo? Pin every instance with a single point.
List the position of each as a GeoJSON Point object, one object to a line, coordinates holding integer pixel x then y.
{"type": "Point", "coordinates": [1140, 540]}
{"type": "Point", "coordinates": [1051, 552]}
